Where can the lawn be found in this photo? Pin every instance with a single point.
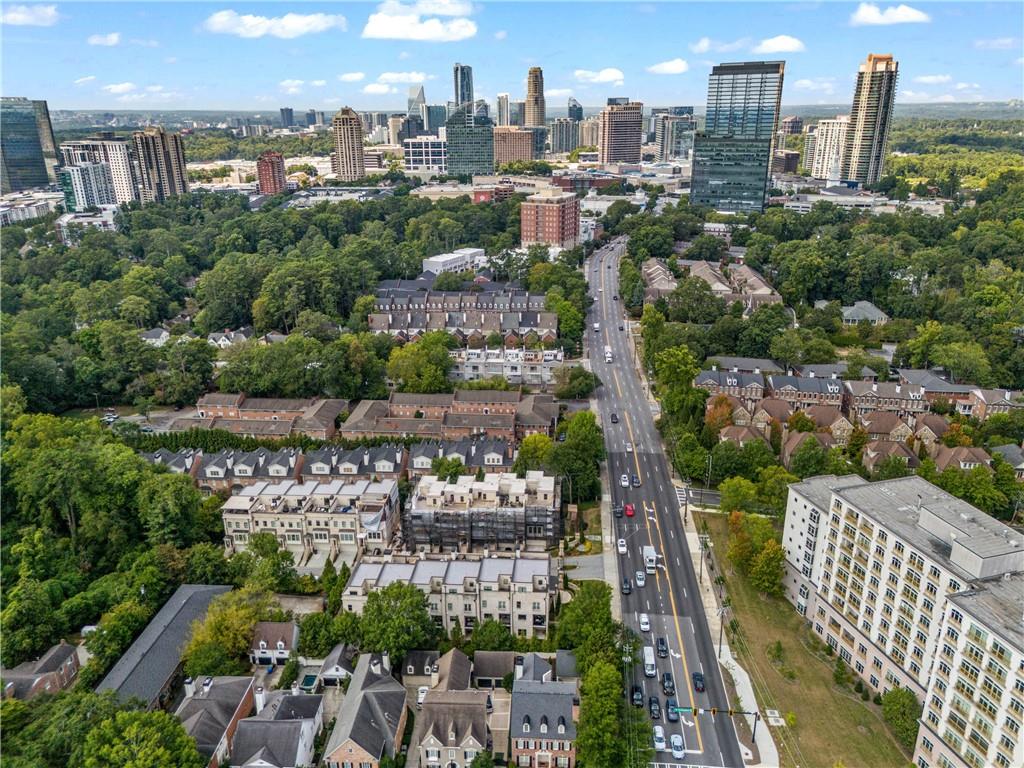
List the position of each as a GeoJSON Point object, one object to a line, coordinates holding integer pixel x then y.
{"type": "Point", "coordinates": [833, 725]}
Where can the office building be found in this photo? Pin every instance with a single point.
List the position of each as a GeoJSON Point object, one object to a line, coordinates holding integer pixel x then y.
{"type": "Point", "coordinates": [791, 126]}
{"type": "Point", "coordinates": [310, 118]}
{"type": "Point", "coordinates": [732, 155]}
{"type": "Point", "coordinates": [512, 145]}
{"type": "Point", "coordinates": [113, 151]}
{"type": "Point", "coordinates": [535, 109]}
{"type": "Point", "coordinates": [347, 159]}
{"type": "Point", "coordinates": [24, 164]}
{"type": "Point", "coordinates": [550, 217]}
{"type": "Point", "coordinates": [575, 110]}
{"type": "Point", "coordinates": [433, 116]}
{"type": "Point", "coordinates": [617, 101]}
{"type": "Point", "coordinates": [426, 153]}
{"type": "Point", "coordinates": [270, 173]}
{"type": "Point", "coordinates": [86, 186]}
{"type": "Point", "coordinates": [287, 117]}
{"type": "Point", "coordinates": [396, 129]}
{"type": "Point", "coordinates": [810, 145]}
{"type": "Point", "coordinates": [161, 164]}
{"type": "Point", "coordinates": [416, 99]}
{"type": "Point", "coordinates": [673, 135]}
{"type": "Point", "coordinates": [470, 143]}
{"type": "Point", "coordinates": [829, 148]}
{"type": "Point", "coordinates": [621, 132]}
{"type": "Point", "coordinates": [46, 140]}
{"type": "Point", "coordinates": [870, 116]}
{"type": "Point", "coordinates": [517, 113]}
{"type": "Point", "coordinates": [540, 140]}
{"type": "Point", "coordinates": [785, 161]}
{"type": "Point", "coordinates": [462, 75]}
{"type": "Point", "coordinates": [482, 109]}
{"type": "Point", "coordinates": [565, 135]}
{"type": "Point", "coordinates": [503, 110]}
{"type": "Point", "coordinates": [590, 132]}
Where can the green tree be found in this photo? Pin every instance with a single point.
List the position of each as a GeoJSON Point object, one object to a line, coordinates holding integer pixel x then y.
{"type": "Point", "coordinates": [116, 631]}
{"type": "Point", "coordinates": [575, 383]}
{"type": "Point", "coordinates": [901, 710]}
{"type": "Point", "coordinates": [773, 488]}
{"type": "Point", "coordinates": [768, 569]}
{"type": "Point", "coordinates": [482, 760]}
{"type": "Point", "coordinates": [738, 493]}
{"type": "Point", "coordinates": [225, 634]}
{"type": "Point", "coordinates": [534, 453]}
{"type": "Point", "coordinates": [141, 740]}
{"type": "Point", "coordinates": [491, 635]}
{"type": "Point", "coordinates": [395, 619]}
{"type": "Point", "coordinates": [317, 635]}
{"type": "Point", "coordinates": [168, 505]}
{"type": "Point", "coordinates": [675, 370]}
{"type": "Point", "coordinates": [597, 737]}
{"type": "Point", "coordinates": [422, 366]}
{"type": "Point", "coordinates": [809, 459]}
{"type": "Point", "coordinates": [448, 468]}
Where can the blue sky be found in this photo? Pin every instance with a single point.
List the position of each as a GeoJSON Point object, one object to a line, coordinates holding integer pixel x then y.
{"type": "Point", "coordinates": [259, 56]}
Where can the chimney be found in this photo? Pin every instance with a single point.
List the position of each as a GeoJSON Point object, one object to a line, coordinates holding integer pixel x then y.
{"type": "Point", "coordinates": [898, 389]}
{"type": "Point", "coordinates": [207, 684]}
{"type": "Point", "coordinates": [375, 665]}
{"type": "Point", "coordinates": [261, 699]}
{"type": "Point", "coordinates": [366, 456]}
{"type": "Point", "coordinates": [874, 387]}
{"type": "Point", "coordinates": [295, 688]}
{"type": "Point", "coordinates": [434, 675]}
{"type": "Point", "coordinates": [385, 660]}
{"type": "Point", "coordinates": [518, 667]}
{"type": "Point", "coordinates": [190, 687]}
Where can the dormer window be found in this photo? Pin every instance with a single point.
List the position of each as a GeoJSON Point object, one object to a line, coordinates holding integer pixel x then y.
{"type": "Point", "coordinates": [544, 724]}
{"type": "Point", "coordinates": [410, 670]}
{"type": "Point", "coordinates": [263, 644]}
{"type": "Point", "coordinates": [280, 645]}
{"type": "Point", "coordinates": [561, 725]}
{"type": "Point", "coordinates": [526, 723]}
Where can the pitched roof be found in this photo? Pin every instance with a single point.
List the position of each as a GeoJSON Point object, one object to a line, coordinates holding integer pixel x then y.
{"type": "Point", "coordinates": [958, 456]}
{"type": "Point", "coordinates": [936, 423]}
{"type": "Point", "coordinates": [746, 364]}
{"type": "Point", "coordinates": [370, 711]}
{"type": "Point", "coordinates": [775, 408]}
{"type": "Point", "coordinates": [273, 736]}
{"type": "Point", "coordinates": [493, 664]}
{"type": "Point", "coordinates": [539, 704]}
{"type": "Point", "coordinates": [816, 386]}
{"type": "Point", "coordinates": [273, 632]}
{"type": "Point", "coordinates": [453, 670]}
{"type": "Point", "coordinates": [207, 713]}
{"type": "Point", "coordinates": [881, 422]}
{"type": "Point", "coordinates": [452, 717]}
{"type": "Point", "coordinates": [877, 451]}
{"type": "Point", "coordinates": [740, 435]}
{"type": "Point", "coordinates": [728, 379]}
{"type": "Point", "coordinates": [1012, 454]}
{"type": "Point", "coordinates": [823, 416]}
{"type": "Point", "coordinates": [487, 396]}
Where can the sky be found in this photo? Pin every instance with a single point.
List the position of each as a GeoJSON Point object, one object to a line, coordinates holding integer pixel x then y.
{"type": "Point", "coordinates": [260, 56]}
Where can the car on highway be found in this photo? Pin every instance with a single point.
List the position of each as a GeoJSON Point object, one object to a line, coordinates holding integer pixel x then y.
{"type": "Point", "coordinates": [627, 587]}
{"type": "Point", "coordinates": [629, 509]}
{"type": "Point", "coordinates": [698, 682]}
{"type": "Point", "coordinates": [615, 297]}
{"type": "Point", "coordinates": [645, 622]}
{"type": "Point", "coordinates": [662, 647]}
{"type": "Point", "coordinates": [615, 418]}
{"type": "Point", "coordinates": [641, 579]}
{"type": "Point", "coordinates": [677, 746]}
{"type": "Point", "coordinates": [659, 739]}
{"type": "Point", "coordinates": [670, 710]}
{"type": "Point", "coordinates": [609, 266]}
{"type": "Point", "coordinates": [654, 707]}
{"type": "Point", "coordinates": [617, 511]}
{"type": "Point", "coordinates": [668, 684]}
{"type": "Point", "coordinates": [636, 481]}
{"type": "Point", "coordinates": [638, 696]}
{"type": "Point", "coordinates": [629, 447]}
{"type": "Point", "coordinates": [622, 546]}
{"type": "Point", "coordinates": [624, 481]}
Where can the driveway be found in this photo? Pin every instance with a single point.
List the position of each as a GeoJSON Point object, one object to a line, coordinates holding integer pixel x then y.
{"type": "Point", "coordinates": [586, 567]}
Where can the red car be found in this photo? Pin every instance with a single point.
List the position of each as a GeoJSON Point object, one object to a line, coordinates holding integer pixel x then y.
{"type": "Point", "coordinates": [629, 510]}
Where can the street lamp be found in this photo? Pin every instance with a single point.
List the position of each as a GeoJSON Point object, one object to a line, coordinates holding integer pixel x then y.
{"type": "Point", "coordinates": [708, 479]}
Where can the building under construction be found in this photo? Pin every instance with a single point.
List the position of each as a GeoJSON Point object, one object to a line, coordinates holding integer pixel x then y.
{"type": "Point", "coordinates": [501, 512]}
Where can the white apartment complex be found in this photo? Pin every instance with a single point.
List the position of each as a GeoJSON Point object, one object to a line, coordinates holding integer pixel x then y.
{"type": "Point", "coordinates": [517, 365]}
{"type": "Point", "coordinates": [877, 569]}
{"type": "Point", "coordinates": [829, 144]}
{"type": "Point", "coordinates": [312, 520]}
{"type": "Point", "coordinates": [458, 260]}
{"type": "Point", "coordinates": [465, 590]}
{"type": "Point", "coordinates": [116, 152]}
{"type": "Point", "coordinates": [426, 153]}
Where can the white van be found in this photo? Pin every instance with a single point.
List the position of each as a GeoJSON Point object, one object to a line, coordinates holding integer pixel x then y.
{"type": "Point", "coordinates": [650, 670]}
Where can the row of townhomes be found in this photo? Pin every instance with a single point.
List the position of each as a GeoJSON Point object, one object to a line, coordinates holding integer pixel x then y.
{"type": "Point", "coordinates": [533, 367]}
{"type": "Point", "coordinates": [265, 416]}
{"type": "Point", "coordinates": [733, 283]}
{"type": "Point", "coordinates": [915, 588]}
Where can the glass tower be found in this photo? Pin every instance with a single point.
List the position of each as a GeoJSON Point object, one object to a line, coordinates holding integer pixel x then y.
{"type": "Point", "coordinates": [470, 143]}
{"type": "Point", "coordinates": [21, 150]}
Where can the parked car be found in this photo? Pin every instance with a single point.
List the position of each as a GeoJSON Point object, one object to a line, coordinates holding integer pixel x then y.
{"type": "Point", "coordinates": [638, 696]}
{"type": "Point", "coordinates": [670, 710]}
{"type": "Point", "coordinates": [622, 546]}
{"type": "Point", "coordinates": [662, 648]}
{"type": "Point", "coordinates": [654, 707]}
{"type": "Point", "coordinates": [668, 685]}
{"type": "Point", "coordinates": [641, 579]}
{"type": "Point", "coordinates": [645, 622]}
{"type": "Point", "coordinates": [659, 739]}
{"type": "Point", "coordinates": [698, 682]}
{"type": "Point", "coordinates": [421, 694]}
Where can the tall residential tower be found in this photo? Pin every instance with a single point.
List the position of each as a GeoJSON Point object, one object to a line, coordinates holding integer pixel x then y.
{"type": "Point", "coordinates": [160, 157]}
{"type": "Point", "coordinates": [535, 110]}
{"type": "Point", "coordinates": [463, 80]}
{"type": "Point", "coordinates": [621, 132]}
{"type": "Point", "coordinates": [870, 117]}
{"type": "Point", "coordinates": [347, 160]}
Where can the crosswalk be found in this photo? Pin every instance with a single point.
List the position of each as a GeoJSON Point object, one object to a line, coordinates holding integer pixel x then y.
{"type": "Point", "coordinates": [681, 495]}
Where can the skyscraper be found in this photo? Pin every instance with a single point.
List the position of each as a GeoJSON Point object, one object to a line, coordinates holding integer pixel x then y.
{"type": "Point", "coordinates": [470, 143]}
{"type": "Point", "coordinates": [347, 160]}
{"type": "Point", "coordinates": [87, 185]}
{"type": "Point", "coordinates": [503, 110]}
{"type": "Point", "coordinates": [270, 173]}
{"type": "Point", "coordinates": [870, 115]}
{"type": "Point", "coordinates": [791, 126]}
{"type": "Point", "coordinates": [810, 143]}
{"type": "Point", "coordinates": [535, 109]}
{"type": "Point", "coordinates": [575, 110]}
{"type": "Point", "coordinates": [674, 136]}
{"type": "Point", "coordinates": [416, 99]}
{"type": "Point", "coordinates": [115, 152]}
{"type": "Point", "coordinates": [310, 118]}
{"type": "Point", "coordinates": [434, 116]}
{"type": "Point", "coordinates": [463, 81]}
{"type": "Point", "coordinates": [517, 113]}
{"type": "Point", "coordinates": [590, 131]}
{"type": "Point", "coordinates": [287, 117]}
{"type": "Point", "coordinates": [396, 128]}
{"type": "Point", "coordinates": [161, 164]}
{"type": "Point", "coordinates": [829, 148]}
{"type": "Point", "coordinates": [46, 140]}
{"type": "Point", "coordinates": [565, 135]}
{"type": "Point", "coordinates": [621, 132]}
{"type": "Point", "coordinates": [732, 155]}
{"type": "Point", "coordinates": [21, 150]}
{"type": "Point", "coordinates": [512, 145]}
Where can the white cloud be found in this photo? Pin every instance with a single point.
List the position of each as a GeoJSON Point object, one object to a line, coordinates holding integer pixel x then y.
{"type": "Point", "coordinates": [606, 75]}
{"type": "Point", "coordinates": [286, 27]}
{"type": "Point", "coordinates": [932, 79]}
{"type": "Point", "coordinates": [501, 34]}
{"type": "Point", "coordinates": [402, 77]}
{"type": "Point", "coordinates": [30, 15]}
{"type": "Point", "coordinates": [555, 93]}
{"type": "Point", "coordinates": [318, 83]}
{"type": "Point", "coordinates": [819, 84]}
{"type": "Point", "coordinates": [84, 80]}
{"type": "Point", "coordinates": [145, 43]}
{"type": "Point", "coordinates": [922, 97]}
{"type": "Point", "coordinates": [379, 89]}
{"type": "Point", "coordinates": [967, 86]}
{"type": "Point", "coordinates": [404, 55]}
{"type": "Point", "coordinates": [670, 67]}
{"type": "Point", "coordinates": [291, 86]}
{"type": "Point", "coordinates": [351, 77]}
{"type": "Point", "coordinates": [779, 44]}
{"type": "Point", "coordinates": [418, 21]}
{"type": "Point", "coordinates": [870, 15]}
{"type": "Point", "coordinates": [108, 40]}
{"type": "Point", "coordinates": [154, 88]}
{"type": "Point", "coordinates": [119, 87]}
{"type": "Point", "coordinates": [707, 45]}
{"type": "Point", "coordinates": [996, 43]}
{"type": "Point", "coordinates": [171, 60]}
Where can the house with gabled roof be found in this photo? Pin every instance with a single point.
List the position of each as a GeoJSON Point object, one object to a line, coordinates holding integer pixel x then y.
{"type": "Point", "coordinates": [796, 439]}
{"type": "Point", "coordinates": [544, 716]}
{"type": "Point", "coordinates": [877, 452]}
{"type": "Point", "coordinates": [211, 711]}
{"type": "Point", "coordinates": [863, 397]}
{"type": "Point", "coordinates": [886, 425]}
{"type": "Point", "coordinates": [801, 393]}
{"type": "Point", "coordinates": [768, 411]}
{"type": "Point", "coordinates": [962, 457]}
{"type": "Point", "coordinates": [929, 429]}
{"type": "Point", "coordinates": [748, 388]}
{"type": "Point", "coordinates": [1013, 455]}
{"type": "Point", "coordinates": [54, 671]}
{"type": "Point", "coordinates": [831, 420]}
{"type": "Point", "coordinates": [282, 733]}
{"type": "Point", "coordinates": [740, 435]}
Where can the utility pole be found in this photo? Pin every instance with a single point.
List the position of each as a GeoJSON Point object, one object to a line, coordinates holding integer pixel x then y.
{"type": "Point", "coordinates": [721, 625]}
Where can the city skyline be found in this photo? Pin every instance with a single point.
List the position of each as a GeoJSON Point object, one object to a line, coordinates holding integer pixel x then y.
{"type": "Point", "coordinates": [130, 56]}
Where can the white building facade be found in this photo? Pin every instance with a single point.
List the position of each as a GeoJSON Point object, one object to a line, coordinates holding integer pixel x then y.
{"type": "Point", "coordinates": [426, 153]}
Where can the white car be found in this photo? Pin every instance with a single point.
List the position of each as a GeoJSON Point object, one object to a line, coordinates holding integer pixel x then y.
{"type": "Point", "coordinates": [622, 546]}
{"type": "Point", "coordinates": [645, 622]}
{"type": "Point", "coordinates": [629, 447]}
{"type": "Point", "coordinates": [677, 746]}
{"type": "Point", "coordinates": [641, 578]}
{"type": "Point", "coordinates": [421, 694]}
{"type": "Point", "coordinates": [624, 481]}
{"type": "Point", "coordinates": [659, 739]}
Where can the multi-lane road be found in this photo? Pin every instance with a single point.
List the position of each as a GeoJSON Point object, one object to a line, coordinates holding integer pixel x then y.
{"type": "Point", "coordinates": [669, 597]}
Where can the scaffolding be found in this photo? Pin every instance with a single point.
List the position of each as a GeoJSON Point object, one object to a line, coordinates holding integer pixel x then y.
{"type": "Point", "coordinates": [497, 528]}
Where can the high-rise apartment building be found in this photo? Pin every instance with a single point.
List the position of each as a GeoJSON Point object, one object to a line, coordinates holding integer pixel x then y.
{"type": "Point", "coordinates": [829, 148]}
{"type": "Point", "coordinates": [470, 143]}
{"type": "Point", "coordinates": [463, 81]}
{"type": "Point", "coordinates": [417, 98]}
{"type": "Point", "coordinates": [433, 116]}
{"type": "Point", "coordinates": [621, 132]}
{"type": "Point", "coordinates": [551, 217]}
{"type": "Point", "coordinates": [347, 159]}
{"type": "Point", "coordinates": [21, 146]}
{"type": "Point", "coordinates": [503, 110]}
{"type": "Point", "coordinates": [565, 135]}
{"type": "Point", "coordinates": [575, 111]}
{"type": "Point", "coordinates": [512, 145]}
{"type": "Point", "coordinates": [791, 126]}
{"type": "Point", "coordinates": [270, 173]}
{"type": "Point", "coordinates": [517, 113]}
{"type": "Point", "coordinates": [160, 159]}
{"type": "Point", "coordinates": [87, 185]}
{"type": "Point", "coordinates": [673, 135]}
{"type": "Point", "coordinates": [46, 140]}
{"type": "Point", "coordinates": [590, 131]}
{"type": "Point", "coordinates": [287, 117]}
{"type": "Point", "coordinates": [870, 116]}
{"type": "Point", "coordinates": [810, 144]}
{"type": "Point", "coordinates": [732, 155]}
{"type": "Point", "coordinates": [535, 108]}
{"type": "Point", "coordinates": [115, 152]}
{"type": "Point", "coordinates": [396, 126]}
